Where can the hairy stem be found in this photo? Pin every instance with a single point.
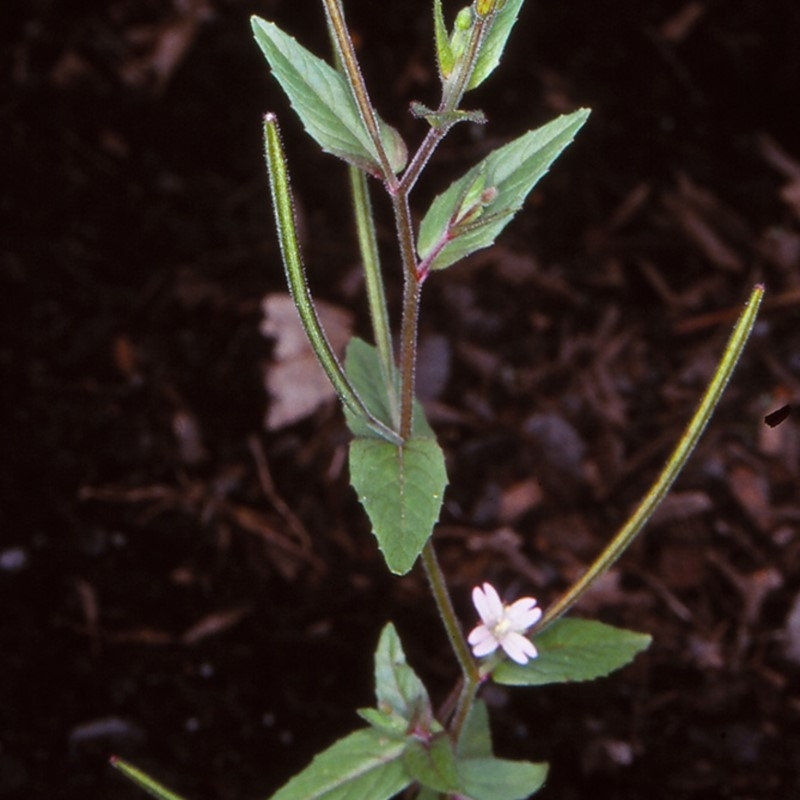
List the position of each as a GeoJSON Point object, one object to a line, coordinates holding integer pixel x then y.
{"type": "Point", "coordinates": [452, 93]}
{"type": "Point", "coordinates": [347, 54]}
{"type": "Point", "coordinates": [445, 605]}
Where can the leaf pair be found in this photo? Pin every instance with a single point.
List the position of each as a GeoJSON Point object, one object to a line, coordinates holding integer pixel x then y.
{"type": "Point", "coordinates": [405, 745]}
{"type": "Point", "coordinates": [401, 485]}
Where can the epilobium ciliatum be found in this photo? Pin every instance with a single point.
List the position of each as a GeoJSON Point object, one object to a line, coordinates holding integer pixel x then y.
{"type": "Point", "coordinates": [396, 465]}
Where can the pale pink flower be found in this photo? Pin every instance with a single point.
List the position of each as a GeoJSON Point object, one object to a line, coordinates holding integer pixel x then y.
{"type": "Point", "coordinates": [503, 626]}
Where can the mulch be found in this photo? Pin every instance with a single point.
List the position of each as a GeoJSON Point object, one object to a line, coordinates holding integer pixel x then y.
{"type": "Point", "coordinates": [188, 589]}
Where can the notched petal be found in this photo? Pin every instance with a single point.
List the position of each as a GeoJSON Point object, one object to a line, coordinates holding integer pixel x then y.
{"type": "Point", "coordinates": [518, 648]}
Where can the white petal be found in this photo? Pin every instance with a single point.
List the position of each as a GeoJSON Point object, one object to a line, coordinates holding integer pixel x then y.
{"type": "Point", "coordinates": [485, 644]}
{"type": "Point", "coordinates": [488, 604]}
{"type": "Point", "coordinates": [523, 614]}
{"type": "Point", "coordinates": [479, 633]}
{"type": "Point", "coordinates": [519, 648]}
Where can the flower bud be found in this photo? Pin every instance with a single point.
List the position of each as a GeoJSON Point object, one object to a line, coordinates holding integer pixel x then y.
{"type": "Point", "coordinates": [485, 7]}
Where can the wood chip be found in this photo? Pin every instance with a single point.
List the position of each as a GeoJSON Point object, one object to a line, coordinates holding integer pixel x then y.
{"type": "Point", "coordinates": [296, 383]}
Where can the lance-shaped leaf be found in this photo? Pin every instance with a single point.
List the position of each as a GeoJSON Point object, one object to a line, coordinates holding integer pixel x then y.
{"type": "Point", "coordinates": [398, 689]}
{"type": "Point", "coordinates": [323, 101]}
{"type": "Point", "coordinates": [508, 175]}
{"type": "Point", "coordinates": [574, 650]}
{"type": "Point", "coordinates": [401, 488]}
{"type": "Point", "coordinates": [364, 764]}
{"type": "Point", "coordinates": [445, 59]}
{"type": "Point", "coordinates": [495, 40]}
{"type": "Point", "coordinates": [363, 368]}
{"type": "Point", "coordinates": [404, 708]}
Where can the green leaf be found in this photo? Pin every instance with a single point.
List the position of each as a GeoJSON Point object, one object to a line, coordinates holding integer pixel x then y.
{"type": "Point", "coordinates": [494, 42]}
{"type": "Point", "coordinates": [484, 777]}
{"type": "Point", "coordinates": [476, 738]}
{"type": "Point", "coordinates": [432, 763]}
{"type": "Point", "coordinates": [509, 173]}
{"type": "Point", "coordinates": [362, 366]}
{"type": "Point", "coordinates": [574, 650]}
{"type": "Point", "coordinates": [385, 723]}
{"type": "Point", "coordinates": [500, 779]}
{"type": "Point", "coordinates": [401, 487]}
{"type": "Point", "coordinates": [362, 765]}
{"type": "Point", "coordinates": [153, 788]}
{"type": "Point", "coordinates": [446, 119]}
{"type": "Point", "coordinates": [398, 690]}
{"type": "Point", "coordinates": [444, 53]}
{"type": "Point", "coordinates": [322, 99]}
{"type": "Point", "coordinates": [363, 369]}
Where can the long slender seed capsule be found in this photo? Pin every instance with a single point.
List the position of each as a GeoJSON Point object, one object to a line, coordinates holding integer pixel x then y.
{"type": "Point", "coordinates": [295, 275]}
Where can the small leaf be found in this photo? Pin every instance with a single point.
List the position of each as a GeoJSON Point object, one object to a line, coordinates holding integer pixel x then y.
{"type": "Point", "coordinates": [494, 42]}
{"type": "Point", "coordinates": [462, 29]}
{"type": "Point", "coordinates": [574, 650]}
{"type": "Point", "coordinates": [398, 690]}
{"type": "Point", "coordinates": [363, 368]}
{"type": "Point", "coordinates": [387, 724]}
{"type": "Point", "coordinates": [433, 763]}
{"type": "Point", "coordinates": [323, 101]}
{"type": "Point", "coordinates": [500, 779]}
{"type": "Point", "coordinates": [363, 764]}
{"type": "Point", "coordinates": [446, 119]}
{"type": "Point", "coordinates": [153, 788]}
{"type": "Point", "coordinates": [401, 488]}
{"type": "Point", "coordinates": [444, 53]}
{"type": "Point", "coordinates": [510, 173]}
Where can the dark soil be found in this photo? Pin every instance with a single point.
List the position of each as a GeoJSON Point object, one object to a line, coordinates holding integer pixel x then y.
{"type": "Point", "coordinates": [160, 599]}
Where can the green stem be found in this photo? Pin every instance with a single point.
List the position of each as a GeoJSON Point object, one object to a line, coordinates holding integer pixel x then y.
{"type": "Point", "coordinates": [448, 614]}
{"type": "Point", "coordinates": [466, 700]}
{"type": "Point", "coordinates": [470, 672]}
{"type": "Point", "coordinates": [399, 192]}
{"type": "Point", "coordinates": [376, 293]}
{"type": "Point", "coordinates": [675, 464]}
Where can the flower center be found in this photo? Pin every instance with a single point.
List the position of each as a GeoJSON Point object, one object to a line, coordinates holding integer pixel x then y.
{"type": "Point", "coordinates": [501, 628]}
